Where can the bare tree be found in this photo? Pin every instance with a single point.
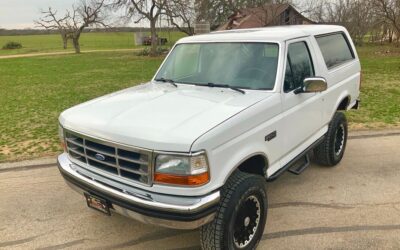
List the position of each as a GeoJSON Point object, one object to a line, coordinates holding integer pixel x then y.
{"type": "Point", "coordinates": [71, 25]}
{"type": "Point", "coordinates": [51, 22]}
{"type": "Point", "coordinates": [314, 9]}
{"type": "Point", "coordinates": [202, 9]}
{"type": "Point", "coordinates": [181, 14]}
{"type": "Point", "coordinates": [390, 10]}
{"type": "Point", "coordinates": [356, 15]}
{"type": "Point", "coordinates": [88, 13]}
{"type": "Point", "coordinates": [362, 19]}
{"type": "Point", "coordinates": [149, 10]}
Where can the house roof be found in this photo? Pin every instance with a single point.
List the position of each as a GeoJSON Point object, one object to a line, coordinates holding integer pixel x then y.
{"type": "Point", "coordinates": [265, 34]}
{"type": "Point", "coordinates": [258, 17]}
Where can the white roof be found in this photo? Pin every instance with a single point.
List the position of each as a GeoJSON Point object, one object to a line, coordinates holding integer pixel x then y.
{"type": "Point", "coordinates": [272, 34]}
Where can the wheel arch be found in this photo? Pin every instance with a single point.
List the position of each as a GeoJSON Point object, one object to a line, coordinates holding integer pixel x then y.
{"type": "Point", "coordinates": [255, 163]}
{"type": "Point", "coordinates": [344, 103]}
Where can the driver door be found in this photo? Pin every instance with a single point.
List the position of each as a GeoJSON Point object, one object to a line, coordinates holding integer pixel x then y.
{"type": "Point", "coordinates": [302, 112]}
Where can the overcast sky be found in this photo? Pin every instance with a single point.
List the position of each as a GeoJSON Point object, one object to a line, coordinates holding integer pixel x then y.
{"type": "Point", "coordinates": [19, 14]}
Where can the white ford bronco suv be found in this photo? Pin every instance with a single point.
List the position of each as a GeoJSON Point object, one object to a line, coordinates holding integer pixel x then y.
{"type": "Point", "coordinates": [225, 113]}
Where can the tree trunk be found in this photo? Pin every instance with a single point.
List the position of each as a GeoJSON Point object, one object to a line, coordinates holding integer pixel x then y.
{"type": "Point", "coordinates": [154, 40]}
{"type": "Point", "coordinates": [75, 40]}
{"type": "Point", "coordinates": [77, 46]}
{"type": "Point", "coordinates": [383, 35]}
{"type": "Point", "coordinates": [65, 42]}
{"type": "Point", "coordinates": [64, 39]}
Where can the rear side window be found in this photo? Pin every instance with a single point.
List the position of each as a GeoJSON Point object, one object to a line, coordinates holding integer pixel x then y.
{"type": "Point", "coordinates": [335, 49]}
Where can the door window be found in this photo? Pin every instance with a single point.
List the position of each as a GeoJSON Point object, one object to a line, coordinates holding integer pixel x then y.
{"type": "Point", "coordinates": [298, 66]}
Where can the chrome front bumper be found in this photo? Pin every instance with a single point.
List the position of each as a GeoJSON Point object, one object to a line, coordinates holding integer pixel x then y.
{"type": "Point", "coordinates": [179, 212]}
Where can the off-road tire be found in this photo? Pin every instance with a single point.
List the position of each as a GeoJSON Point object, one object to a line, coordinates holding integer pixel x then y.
{"type": "Point", "coordinates": [240, 187]}
{"type": "Point", "coordinates": [327, 152]}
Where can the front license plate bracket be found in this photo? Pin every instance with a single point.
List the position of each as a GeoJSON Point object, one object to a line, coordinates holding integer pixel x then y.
{"type": "Point", "coordinates": [97, 203]}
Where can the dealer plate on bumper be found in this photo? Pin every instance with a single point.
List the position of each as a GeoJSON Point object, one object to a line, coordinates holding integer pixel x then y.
{"type": "Point", "coordinates": [97, 203]}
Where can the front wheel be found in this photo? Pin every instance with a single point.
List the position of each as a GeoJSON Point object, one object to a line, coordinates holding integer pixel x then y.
{"type": "Point", "coordinates": [241, 215]}
{"type": "Point", "coordinates": [331, 150]}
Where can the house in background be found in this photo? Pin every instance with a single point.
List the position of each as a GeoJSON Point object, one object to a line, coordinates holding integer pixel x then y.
{"type": "Point", "coordinates": [267, 15]}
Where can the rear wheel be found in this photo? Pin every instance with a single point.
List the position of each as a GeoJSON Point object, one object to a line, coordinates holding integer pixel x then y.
{"type": "Point", "coordinates": [331, 150]}
{"type": "Point", "coordinates": [241, 215]}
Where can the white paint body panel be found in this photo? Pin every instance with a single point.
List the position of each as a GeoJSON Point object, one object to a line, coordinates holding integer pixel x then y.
{"type": "Point", "coordinates": [229, 126]}
{"type": "Point", "coordinates": [157, 115]}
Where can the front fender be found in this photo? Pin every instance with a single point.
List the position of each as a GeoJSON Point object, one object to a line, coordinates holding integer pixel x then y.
{"type": "Point", "coordinates": [242, 137]}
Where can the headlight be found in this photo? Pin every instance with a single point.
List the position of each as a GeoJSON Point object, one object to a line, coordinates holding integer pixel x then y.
{"type": "Point", "coordinates": [191, 170]}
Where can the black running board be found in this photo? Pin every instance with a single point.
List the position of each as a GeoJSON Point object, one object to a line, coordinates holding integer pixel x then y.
{"type": "Point", "coordinates": [292, 163]}
{"type": "Point", "coordinates": [300, 165]}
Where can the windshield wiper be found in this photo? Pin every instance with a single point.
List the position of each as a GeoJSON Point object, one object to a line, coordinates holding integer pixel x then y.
{"type": "Point", "coordinates": [162, 79]}
{"type": "Point", "coordinates": [210, 84]}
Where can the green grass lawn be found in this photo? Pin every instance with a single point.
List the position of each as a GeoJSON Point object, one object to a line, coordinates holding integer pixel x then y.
{"type": "Point", "coordinates": [89, 41]}
{"type": "Point", "coordinates": [33, 91]}
{"type": "Point", "coordinates": [380, 89]}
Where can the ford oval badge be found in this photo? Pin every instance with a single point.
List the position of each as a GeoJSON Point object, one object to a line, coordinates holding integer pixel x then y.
{"type": "Point", "coordinates": [100, 157]}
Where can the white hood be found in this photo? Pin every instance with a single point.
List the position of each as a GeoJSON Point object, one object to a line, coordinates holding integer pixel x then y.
{"type": "Point", "coordinates": [158, 115]}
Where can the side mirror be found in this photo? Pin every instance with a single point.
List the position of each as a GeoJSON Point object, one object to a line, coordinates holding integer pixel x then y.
{"type": "Point", "coordinates": [313, 85]}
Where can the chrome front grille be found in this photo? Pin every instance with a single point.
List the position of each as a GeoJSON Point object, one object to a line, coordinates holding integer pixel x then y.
{"type": "Point", "coordinates": [115, 160]}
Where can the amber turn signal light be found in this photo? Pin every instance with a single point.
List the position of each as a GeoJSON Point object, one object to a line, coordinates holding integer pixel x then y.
{"type": "Point", "coordinates": [186, 180]}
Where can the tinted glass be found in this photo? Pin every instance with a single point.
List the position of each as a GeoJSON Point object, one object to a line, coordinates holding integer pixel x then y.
{"type": "Point", "coordinates": [335, 49]}
{"type": "Point", "coordinates": [299, 66]}
{"type": "Point", "coordinates": [243, 65]}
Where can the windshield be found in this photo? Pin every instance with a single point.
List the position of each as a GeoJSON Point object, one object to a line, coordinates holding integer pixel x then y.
{"type": "Point", "coordinates": [241, 65]}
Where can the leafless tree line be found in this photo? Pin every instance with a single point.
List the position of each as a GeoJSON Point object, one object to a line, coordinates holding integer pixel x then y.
{"type": "Point", "coordinates": [378, 18]}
